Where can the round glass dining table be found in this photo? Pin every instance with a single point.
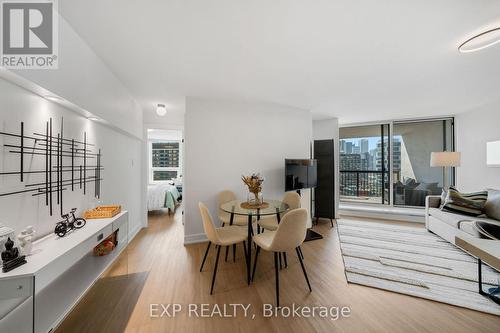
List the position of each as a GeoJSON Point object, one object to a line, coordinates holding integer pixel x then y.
{"type": "Point", "coordinates": [274, 207]}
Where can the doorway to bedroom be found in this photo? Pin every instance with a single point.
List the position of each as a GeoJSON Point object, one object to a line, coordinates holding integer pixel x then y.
{"type": "Point", "coordinates": [165, 171]}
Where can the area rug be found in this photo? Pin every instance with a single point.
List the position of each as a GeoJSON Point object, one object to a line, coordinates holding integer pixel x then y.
{"type": "Point", "coordinates": [412, 261]}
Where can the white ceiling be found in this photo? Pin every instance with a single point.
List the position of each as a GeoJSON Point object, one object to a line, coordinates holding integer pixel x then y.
{"type": "Point", "coordinates": [360, 60]}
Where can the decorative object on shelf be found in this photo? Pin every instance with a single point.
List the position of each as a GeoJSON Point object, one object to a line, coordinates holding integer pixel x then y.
{"type": "Point", "coordinates": [5, 233]}
{"type": "Point", "coordinates": [487, 229]}
{"type": "Point", "coordinates": [69, 223]}
{"type": "Point", "coordinates": [102, 212]}
{"type": "Point", "coordinates": [254, 184]}
{"type": "Point", "coordinates": [66, 163]}
{"type": "Point", "coordinates": [10, 257]}
{"type": "Point", "coordinates": [106, 246]}
{"type": "Point", "coordinates": [25, 239]}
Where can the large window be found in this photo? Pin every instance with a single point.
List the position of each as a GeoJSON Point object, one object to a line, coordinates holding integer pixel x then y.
{"type": "Point", "coordinates": [390, 163]}
{"type": "Point", "coordinates": [364, 164]}
{"type": "Point", "coordinates": [413, 143]}
{"type": "Point", "coordinates": [165, 160]}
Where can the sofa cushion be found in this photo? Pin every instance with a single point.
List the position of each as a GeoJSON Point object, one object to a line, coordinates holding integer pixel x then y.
{"type": "Point", "coordinates": [449, 218]}
{"type": "Point", "coordinates": [471, 204]}
{"type": "Point", "coordinates": [492, 207]}
{"type": "Point", "coordinates": [456, 220]}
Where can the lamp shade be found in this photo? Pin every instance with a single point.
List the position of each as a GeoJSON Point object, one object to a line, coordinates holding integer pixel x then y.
{"type": "Point", "coordinates": [493, 154]}
{"type": "Point", "coordinates": [445, 159]}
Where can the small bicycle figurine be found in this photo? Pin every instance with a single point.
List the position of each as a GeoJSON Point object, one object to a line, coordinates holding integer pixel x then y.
{"type": "Point", "coordinates": [63, 227]}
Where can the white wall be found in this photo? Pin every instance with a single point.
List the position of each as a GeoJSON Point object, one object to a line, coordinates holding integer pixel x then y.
{"type": "Point", "coordinates": [85, 80]}
{"type": "Point", "coordinates": [327, 129]}
{"type": "Point", "coordinates": [121, 161]}
{"type": "Point", "coordinates": [473, 129]}
{"type": "Point", "coordinates": [224, 140]}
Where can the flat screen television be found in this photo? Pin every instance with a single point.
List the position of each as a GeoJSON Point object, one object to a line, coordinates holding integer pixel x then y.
{"type": "Point", "coordinates": [300, 174]}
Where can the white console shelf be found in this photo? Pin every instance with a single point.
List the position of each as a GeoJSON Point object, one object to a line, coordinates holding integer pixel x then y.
{"type": "Point", "coordinates": [37, 296]}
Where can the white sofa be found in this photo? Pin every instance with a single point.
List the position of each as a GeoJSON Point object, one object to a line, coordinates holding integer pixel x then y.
{"type": "Point", "coordinates": [448, 225]}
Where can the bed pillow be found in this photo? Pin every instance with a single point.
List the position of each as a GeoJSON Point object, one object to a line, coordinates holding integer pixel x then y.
{"type": "Point", "coordinates": [492, 207]}
{"type": "Point", "coordinates": [471, 204]}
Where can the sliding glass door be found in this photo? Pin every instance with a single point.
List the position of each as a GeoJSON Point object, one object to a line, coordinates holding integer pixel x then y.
{"type": "Point", "coordinates": [413, 143]}
{"type": "Point", "coordinates": [364, 164]}
{"type": "Point", "coordinates": [389, 163]}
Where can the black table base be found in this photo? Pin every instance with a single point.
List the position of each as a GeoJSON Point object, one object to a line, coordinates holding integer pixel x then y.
{"type": "Point", "coordinates": [493, 293]}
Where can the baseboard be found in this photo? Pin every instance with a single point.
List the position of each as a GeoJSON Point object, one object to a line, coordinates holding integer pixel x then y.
{"type": "Point", "coordinates": [131, 235]}
{"type": "Point", "coordinates": [196, 238]}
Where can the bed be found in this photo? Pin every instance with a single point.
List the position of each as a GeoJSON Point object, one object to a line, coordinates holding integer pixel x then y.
{"type": "Point", "coordinates": [163, 196]}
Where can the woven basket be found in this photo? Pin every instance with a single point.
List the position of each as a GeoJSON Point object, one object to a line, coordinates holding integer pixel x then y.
{"type": "Point", "coordinates": [102, 212]}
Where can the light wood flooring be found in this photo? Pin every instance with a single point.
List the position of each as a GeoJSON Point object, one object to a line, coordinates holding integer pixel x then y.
{"type": "Point", "coordinates": [157, 268]}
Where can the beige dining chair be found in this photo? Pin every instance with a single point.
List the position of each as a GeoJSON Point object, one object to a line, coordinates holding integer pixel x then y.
{"type": "Point", "coordinates": [226, 236]}
{"type": "Point", "coordinates": [292, 199]}
{"type": "Point", "coordinates": [225, 217]}
{"type": "Point", "coordinates": [289, 235]}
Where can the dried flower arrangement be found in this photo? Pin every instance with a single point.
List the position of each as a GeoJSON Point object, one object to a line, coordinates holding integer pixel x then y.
{"type": "Point", "coordinates": [254, 183]}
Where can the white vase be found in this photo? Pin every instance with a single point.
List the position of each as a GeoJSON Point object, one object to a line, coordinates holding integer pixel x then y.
{"type": "Point", "coordinates": [25, 239]}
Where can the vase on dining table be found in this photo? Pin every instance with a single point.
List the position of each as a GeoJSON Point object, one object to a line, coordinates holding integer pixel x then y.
{"type": "Point", "coordinates": [254, 184]}
{"type": "Point", "coordinates": [255, 199]}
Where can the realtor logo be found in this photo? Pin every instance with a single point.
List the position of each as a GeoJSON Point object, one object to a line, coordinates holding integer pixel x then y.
{"type": "Point", "coordinates": [29, 34]}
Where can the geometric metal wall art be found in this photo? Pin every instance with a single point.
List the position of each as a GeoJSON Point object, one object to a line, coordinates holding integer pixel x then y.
{"type": "Point", "coordinates": [69, 164]}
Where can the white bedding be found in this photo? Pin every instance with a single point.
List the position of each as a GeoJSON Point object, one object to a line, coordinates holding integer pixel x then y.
{"type": "Point", "coordinates": [156, 196]}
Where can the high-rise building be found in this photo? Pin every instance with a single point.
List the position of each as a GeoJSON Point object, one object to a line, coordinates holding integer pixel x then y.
{"type": "Point", "coordinates": [396, 157]}
{"type": "Point", "coordinates": [342, 146]}
{"type": "Point", "coordinates": [348, 147]}
{"type": "Point", "coordinates": [350, 162]}
{"type": "Point", "coordinates": [364, 144]}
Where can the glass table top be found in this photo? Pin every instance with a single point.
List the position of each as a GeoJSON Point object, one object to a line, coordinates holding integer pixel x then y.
{"type": "Point", "coordinates": [275, 207]}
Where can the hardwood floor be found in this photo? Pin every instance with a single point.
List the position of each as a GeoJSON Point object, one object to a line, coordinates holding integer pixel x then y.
{"type": "Point", "coordinates": [162, 270]}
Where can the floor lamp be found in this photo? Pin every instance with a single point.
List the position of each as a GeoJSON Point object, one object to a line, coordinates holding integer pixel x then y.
{"type": "Point", "coordinates": [445, 159]}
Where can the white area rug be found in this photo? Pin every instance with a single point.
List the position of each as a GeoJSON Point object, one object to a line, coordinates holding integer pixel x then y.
{"type": "Point", "coordinates": [413, 261]}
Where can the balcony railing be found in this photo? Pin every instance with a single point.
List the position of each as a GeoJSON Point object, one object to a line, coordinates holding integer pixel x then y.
{"type": "Point", "coordinates": [363, 184]}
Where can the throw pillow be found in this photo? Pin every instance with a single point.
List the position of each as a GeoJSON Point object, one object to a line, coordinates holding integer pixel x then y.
{"type": "Point", "coordinates": [492, 207]}
{"type": "Point", "coordinates": [471, 204]}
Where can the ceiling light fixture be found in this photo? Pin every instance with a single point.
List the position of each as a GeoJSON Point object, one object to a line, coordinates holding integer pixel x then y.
{"type": "Point", "coordinates": [481, 41]}
{"type": "Point", "coordinates": [161, 110]}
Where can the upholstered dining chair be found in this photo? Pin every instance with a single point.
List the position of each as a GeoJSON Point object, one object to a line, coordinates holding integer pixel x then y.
{"type": "Point", "coordinates": [270, 222]}
{"type": "Point", "coordinates": [226, 236]}
{"type": "Point", "coordinates": [292, 199]}
{"type": "Point", "coordinates": [289, 235]}
{"type": "Point", "coordinates": [225, 217]}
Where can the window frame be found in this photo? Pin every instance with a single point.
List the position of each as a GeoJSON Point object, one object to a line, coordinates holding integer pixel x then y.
{"type": "Point", "coordinates": [153, 169]}
{"type": "Point", "coordinates": [391, 124]}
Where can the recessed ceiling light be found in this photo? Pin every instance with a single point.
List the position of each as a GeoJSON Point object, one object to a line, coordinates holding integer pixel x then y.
{"type": "Point", "coordinates": [54, 98]}
{"type": "Point", "coordinates": [161, 110]}
{"type": "Point", "coordinates": [93, 118]}
{"type": "Point", "coordinates": [481, 41]}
